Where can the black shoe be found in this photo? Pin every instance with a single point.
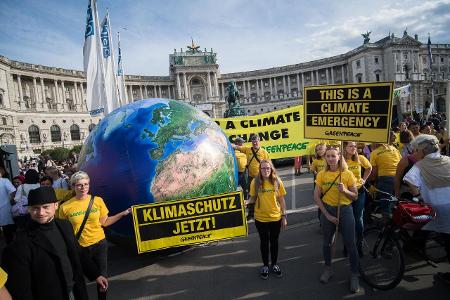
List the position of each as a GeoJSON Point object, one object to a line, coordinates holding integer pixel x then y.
{"type": "Point", "coordinates": [444, 277]}
{"type": "Point", "coordinates": [277, 271]}
{"type": "Point", "coordinates": [264, 272]}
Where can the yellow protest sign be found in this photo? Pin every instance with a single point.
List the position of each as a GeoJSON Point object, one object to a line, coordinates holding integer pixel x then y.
{"type": "Point", "coordinates": [354, 112]}
{"type": "Point", "coordinates": [191, 221]}
{"type": "Point", "coordinates": [280, 131]}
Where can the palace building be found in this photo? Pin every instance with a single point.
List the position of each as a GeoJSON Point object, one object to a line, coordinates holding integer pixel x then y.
{"type": "Point", "coordinates": [43, 107]}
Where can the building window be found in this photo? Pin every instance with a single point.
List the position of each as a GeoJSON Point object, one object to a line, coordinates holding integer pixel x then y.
{"type": "Point", "coordinates": [377, 77]}
{"type": "Point", "coordinates": [55, 133]}
{"type": "Point", "coordinates": [75, 132]}
{"type": "Point", "coordinates": [405, 55]}
{"type": "Point", "coordinates": [376, 59]}
{"type": "Point", "coordinates": [33, 132]}
{"type": "Point", "coordinates": [91, 127]}
{"type": "Point", "coordinates": [359, 78]}
{"type": "Point", "coordinates": [358, 64]}
{"type": "Point", "coordinates": [1, 99]}
{"type": "Point", "coordinates": [266, 84]}
{"type": "Point", "coordinates": [442, 59]}
{"type": "Point", "coordinates": [4, 121]}
{"type": "Point", "coordinates": [428, 91]}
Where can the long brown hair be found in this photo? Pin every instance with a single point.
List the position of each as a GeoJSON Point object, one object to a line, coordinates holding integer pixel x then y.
{"type": "Point", "coordinates": [273, 177]}
{"type": "Point", "coordinates": [355, 157]}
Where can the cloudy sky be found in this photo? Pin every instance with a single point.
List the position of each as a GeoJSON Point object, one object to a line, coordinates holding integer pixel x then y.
{"type": "Point", "coordinates": [246, 34]}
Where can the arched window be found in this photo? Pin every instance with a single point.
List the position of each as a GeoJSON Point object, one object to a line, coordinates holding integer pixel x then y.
{"type": "Point", "coordinates": [33, 132]}
{"type": "Point", "coordinates": [75, 132]}
{"type": "Point", "coordinates": [55, 133]}
{"type": "Point", "coordinates": [4, 121]}
{"type": "Point", "coordinates": [91, 127]}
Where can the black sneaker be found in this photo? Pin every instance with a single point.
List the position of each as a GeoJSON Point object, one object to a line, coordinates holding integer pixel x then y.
{"type": "Point", "coordinates": [444, 277]}
{"type": "Point", "coordinates": [277, 271]}
{"type": "Point", "coordinates": [264, 272]}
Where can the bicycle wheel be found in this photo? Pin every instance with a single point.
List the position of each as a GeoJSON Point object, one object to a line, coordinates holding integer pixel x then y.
{"type": "Point", "coordinates": [382, 264]}
{"type": "Point", "coordinates": [434, 248]}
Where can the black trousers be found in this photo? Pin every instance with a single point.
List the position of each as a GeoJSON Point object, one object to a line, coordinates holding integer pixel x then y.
{"type": "Point", "coordinates": [99, 254]}
{"type": "Point", "coordinates": [268, 235]}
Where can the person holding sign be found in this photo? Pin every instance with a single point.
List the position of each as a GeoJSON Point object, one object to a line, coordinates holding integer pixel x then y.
{"type": "Point", "coordinates": [355, 164]}
{"type": "Point", "coordinates": [88, 215]}
{"type": "Point", "coordinates": [255, 154]}
{"type": "Point", "coordinates": [336, 187]}
{"type": "Point", "coordinates": [267, 194]}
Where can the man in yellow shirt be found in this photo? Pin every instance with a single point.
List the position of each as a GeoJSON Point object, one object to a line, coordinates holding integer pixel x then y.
{"type": "Point", "coordinates": [242, 167]}
{"type": "Point", "coordinates": [254, 156]}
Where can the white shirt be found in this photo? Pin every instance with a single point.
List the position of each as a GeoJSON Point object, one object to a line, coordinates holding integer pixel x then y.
{"type": "Point", "coordinates": [6, 188]}
{"type": "Point", "coordinates": [438, 198]}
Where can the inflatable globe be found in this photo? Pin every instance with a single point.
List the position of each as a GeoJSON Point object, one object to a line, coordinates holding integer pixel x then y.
{"type": "Point", "coordinates": [156, 150]}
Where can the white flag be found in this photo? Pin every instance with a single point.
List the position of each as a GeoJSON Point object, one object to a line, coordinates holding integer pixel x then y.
{"type": "Point", "coordinates": [93, 65]}
{"type": "Point", "coordinates": [108, 63]}
{"type": "Point", "coordinates": [403, 91]}
{"type": "Point", "coordinates": [120, 75]}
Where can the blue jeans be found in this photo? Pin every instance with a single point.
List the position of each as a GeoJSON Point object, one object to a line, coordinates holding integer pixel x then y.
{"type": "Point", "coordinates": [347, 229]}
{"type": "Point", "coordinates": [358, 212]}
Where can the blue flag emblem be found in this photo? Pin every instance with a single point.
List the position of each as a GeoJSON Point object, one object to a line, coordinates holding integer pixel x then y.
{"type": "Point", "coordinates": [89, 23]}
{"type": "Point", "coordinates": [105, 40]}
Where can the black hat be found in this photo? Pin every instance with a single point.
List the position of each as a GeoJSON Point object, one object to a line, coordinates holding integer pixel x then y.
{"type": "Point", "coordinates": [42, 195]}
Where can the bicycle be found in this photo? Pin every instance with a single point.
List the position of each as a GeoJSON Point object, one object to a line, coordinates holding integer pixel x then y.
{"type": "Point", "coordinates": [382, 263]}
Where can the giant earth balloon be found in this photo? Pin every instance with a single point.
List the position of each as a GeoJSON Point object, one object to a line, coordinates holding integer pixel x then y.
{"type": "Point", "coordinates": [156, 150]}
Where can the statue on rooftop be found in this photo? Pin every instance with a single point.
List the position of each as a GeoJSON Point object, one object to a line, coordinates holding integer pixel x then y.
{"type": "Point", "coordinates": [366, 37]}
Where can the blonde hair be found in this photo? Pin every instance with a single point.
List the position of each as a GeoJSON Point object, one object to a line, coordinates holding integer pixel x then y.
{"type": "Point", "coordinates": [77, 177]}
{"type": "Point", "coordinates": [342, 162]}
{"type": "Point", "coordinates": [273, 177]}
{"type": "Point", "coordinates": [315, 150]}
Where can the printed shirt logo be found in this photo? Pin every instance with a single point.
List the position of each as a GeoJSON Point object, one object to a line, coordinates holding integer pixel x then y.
{"type": "Point", "coordinates": [89, 23]}
{"type": "Point", "coordinates": [83, 212]}
{"type": "Point", "coordinates": [105, 40]}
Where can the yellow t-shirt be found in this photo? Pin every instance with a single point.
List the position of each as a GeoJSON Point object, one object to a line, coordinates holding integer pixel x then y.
{"type": "Point", "coordinates": [74, 211]}
{"type": "Point", "coordinates": [386, 158]}
{"type": "Point", "coordinates": [267, 208]}
{"type": "Point", "coordinates": [241, 160]}
{"type": "Point", "coordinates": [355, 168]}
{"type": "Point", "coordinates": [3, 278]}
{"type": "Point", "coordinates": [253, 168]}
{"type": "Point", "coordinates": [325, 179]}
{"type": "Point", "coordinates": [318, 164]}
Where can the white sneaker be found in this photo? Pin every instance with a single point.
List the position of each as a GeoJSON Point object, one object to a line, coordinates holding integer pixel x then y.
{"type": "Point", "coordinates": [326, 275]}
{"type": "Point", "coordinates": [354, 283]}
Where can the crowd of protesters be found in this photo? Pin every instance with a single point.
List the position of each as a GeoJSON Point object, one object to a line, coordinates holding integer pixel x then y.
{"type": "Point", "coordinates": [46, 209]}
{"type": "Point", "coordinates": [48, 198]}
{"type": "Point", "coordinates": [379, 167]}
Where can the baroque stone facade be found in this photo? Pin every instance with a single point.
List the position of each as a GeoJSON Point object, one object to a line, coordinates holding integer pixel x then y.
{"type": "Point", "coordinates": [44, 107]}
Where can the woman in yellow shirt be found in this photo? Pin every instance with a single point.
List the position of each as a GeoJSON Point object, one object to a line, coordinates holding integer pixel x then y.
{"type": "Point", "coordinates": [335, 187]}
{"type": "Point", "coordinates": [267, 193]}
{"type": "Point", "coordinates": [91, 237]}
{"type": "Point", "coordinates": [355, 164]}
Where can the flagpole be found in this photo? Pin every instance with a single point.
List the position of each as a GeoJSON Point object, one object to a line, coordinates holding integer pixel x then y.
{"type": "Point", "coordinates": [111, 45]}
